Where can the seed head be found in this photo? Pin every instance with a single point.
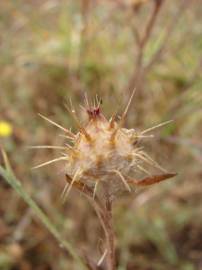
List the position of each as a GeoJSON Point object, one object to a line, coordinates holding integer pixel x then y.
{"type": "Point", "coordinates": [104, 156]}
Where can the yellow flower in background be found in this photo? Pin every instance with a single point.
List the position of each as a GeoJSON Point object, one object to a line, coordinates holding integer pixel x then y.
{"type": "Point", "coordinates": [5, 129]}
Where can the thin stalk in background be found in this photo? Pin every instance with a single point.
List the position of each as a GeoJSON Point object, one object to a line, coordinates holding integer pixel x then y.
{"type": "Point", "coordinates": [11, 179]}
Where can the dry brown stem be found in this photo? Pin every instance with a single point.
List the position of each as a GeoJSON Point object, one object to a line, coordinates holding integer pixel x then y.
{"type": "Point", "coordinates": [140, 70]}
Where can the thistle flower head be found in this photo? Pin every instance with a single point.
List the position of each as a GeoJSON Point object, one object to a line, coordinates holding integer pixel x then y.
{"type": "Point", "coordinates": [103, 156]}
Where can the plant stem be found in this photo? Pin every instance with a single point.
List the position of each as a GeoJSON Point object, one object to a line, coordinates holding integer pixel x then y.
{"type": "Point", "coordinates": [109, 233]}
{"type": "Point", "coordinates": [104, 213]}
{"type": "Point", "coordinates": [15, 183]}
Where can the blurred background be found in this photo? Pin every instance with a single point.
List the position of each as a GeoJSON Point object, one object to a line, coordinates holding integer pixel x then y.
{"type": "Point", "coordinates": [51, 50]}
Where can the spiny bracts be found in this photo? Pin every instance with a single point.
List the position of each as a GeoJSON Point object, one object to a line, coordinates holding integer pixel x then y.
{"type": "Point", "coordinates": [103, 157]}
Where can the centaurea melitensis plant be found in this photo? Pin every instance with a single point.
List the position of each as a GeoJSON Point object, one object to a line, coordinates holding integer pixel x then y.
{"type": "Point", "coordinates": [101, 161]}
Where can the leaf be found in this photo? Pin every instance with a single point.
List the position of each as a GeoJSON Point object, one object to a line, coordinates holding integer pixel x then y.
{"type": "Point", "coordinates": [151, 180]}
{"type": "Point", "coordinates": [11, 179]}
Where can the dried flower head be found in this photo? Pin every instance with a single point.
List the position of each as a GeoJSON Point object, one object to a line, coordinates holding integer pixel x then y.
{"type": "Point", "coordinates": [103, 156]}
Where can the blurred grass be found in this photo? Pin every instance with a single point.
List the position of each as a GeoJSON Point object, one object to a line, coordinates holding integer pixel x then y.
{"type": "Point", "coordinates": [51, 50]}
{"type": "Point", "coordinates": [8, 175]}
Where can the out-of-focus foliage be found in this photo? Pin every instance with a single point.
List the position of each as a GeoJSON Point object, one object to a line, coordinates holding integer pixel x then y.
{"type": "Point", "coordinates": [51, 50]}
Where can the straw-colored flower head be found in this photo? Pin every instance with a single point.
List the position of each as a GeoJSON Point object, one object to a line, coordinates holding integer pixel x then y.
{"type": "Point", "coordinates": [103, 153]}
{"type": "Point", "coordinates": [104, 156]}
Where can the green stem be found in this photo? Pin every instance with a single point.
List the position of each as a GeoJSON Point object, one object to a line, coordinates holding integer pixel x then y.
{"type": "Point", "coordinates": [15, 183]}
